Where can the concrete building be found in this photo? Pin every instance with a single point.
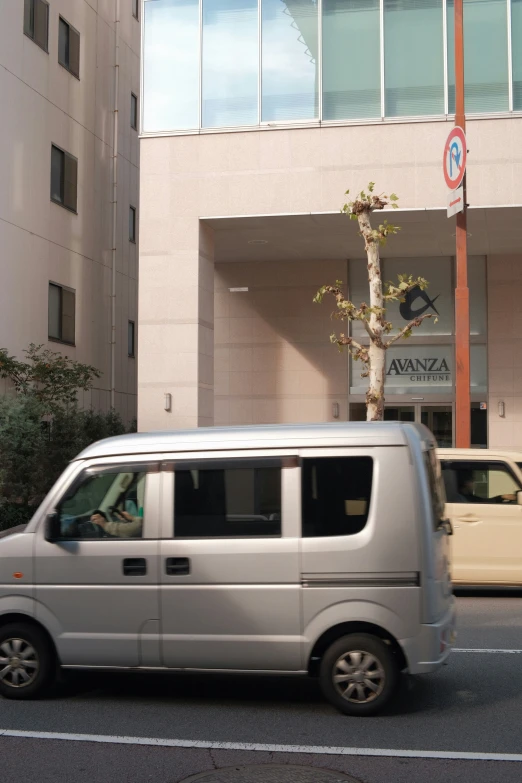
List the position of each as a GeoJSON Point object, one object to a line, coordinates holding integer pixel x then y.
{"type": "Point", "coordinates": [69, 81]}
{"type": "Point", "coordinates": [257, 115]}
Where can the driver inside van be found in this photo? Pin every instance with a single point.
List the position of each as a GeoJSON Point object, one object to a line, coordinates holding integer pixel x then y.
{"type": "Point", "coordinates": [467, 491]}
{"type": "Point", "coordinates": [128, 526]}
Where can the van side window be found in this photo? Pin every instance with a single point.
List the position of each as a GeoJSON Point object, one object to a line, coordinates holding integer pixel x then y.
{"type": "Point", "coordinates": [104, 504]}
{"type": "Point", "coordinates": [436, 486]}
{"type": "Point", "coordinates": [479, 482]}
{"type": "Point", "coordinates": [336, 494]}
{"type": "Point", "coordinates": [228, 501]}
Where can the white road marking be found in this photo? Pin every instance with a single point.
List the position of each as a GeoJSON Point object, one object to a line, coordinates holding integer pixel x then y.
{"type": "Point", "coordinates": [318, 750]}
{"type": "Point", "coordinates": [483, 650]}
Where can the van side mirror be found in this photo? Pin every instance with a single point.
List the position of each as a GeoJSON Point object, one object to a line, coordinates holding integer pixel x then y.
{"type": "Point", "coordinates": [52, 528]}
{"type": "Point", "coordinates": [519, 497]}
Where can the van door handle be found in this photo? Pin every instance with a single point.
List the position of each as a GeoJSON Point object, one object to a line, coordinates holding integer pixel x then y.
{"type": "Point", "coordinates": [134, 566]}
{"type": "Point", "coordinates": [177, 566]}
{"type": "Point", "coordinates": [469, 518]}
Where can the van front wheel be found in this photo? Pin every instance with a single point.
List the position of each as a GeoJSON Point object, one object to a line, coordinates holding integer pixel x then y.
{"type": "Point", "coordinates": [359, 674]}
{"type": "Point", "coordinates": [26, 661]}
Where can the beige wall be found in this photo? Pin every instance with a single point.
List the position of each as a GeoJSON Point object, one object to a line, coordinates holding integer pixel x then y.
{"type": "Point", "coordinates": [505, 350]}
{"type": "Point", "coordinates": [42, 103]}
{"type": "Point", "coordinates": [185, 178]}
{"type": "Point", "coordinates": [273, 360]}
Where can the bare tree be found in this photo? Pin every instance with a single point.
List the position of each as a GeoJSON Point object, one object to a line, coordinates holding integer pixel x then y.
{"type": "Point", "coordinates": [373, 316]}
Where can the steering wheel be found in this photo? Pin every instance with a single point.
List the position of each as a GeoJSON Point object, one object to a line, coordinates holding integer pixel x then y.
{"type": "Point", "coordinates": [91, 529]}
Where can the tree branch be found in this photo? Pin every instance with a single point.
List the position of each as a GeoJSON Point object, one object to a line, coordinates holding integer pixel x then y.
{"type": "Point", "coordinates": [369, 329]}
{"type": "Point", "coordinates": [413, 323]}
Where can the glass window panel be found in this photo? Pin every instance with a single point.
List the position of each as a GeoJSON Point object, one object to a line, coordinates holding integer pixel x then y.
{"type": "Point", "coordinates": [485, 56]}
{"type": "Point", "coordinates": [478, 309]}
{"type": "Point", "coordinates": [230, 63]}
{"type": "Point", "coordinates": [55, 312]}
{"type": "Point", "coordinates": [171, 65]}
{"type": "Point", "coordinates": [413, 58]}
{"type": "Point", "coordinates": [351, 36]}
{"type": "Point", "coordinates": [227, 502]}
{"type": "Point", "coordinates": [289, 57]}
{"type": "Point", "coordinates": [104, 505]}
{"type": "Point", "coordinates": [516, 38]}
{"type": "Point", "coordinates": [130, 338]}
{"type": "Point", "coordinates": [63, 43]}
{"type": "Point", "coordinates": [336, 493]}
{"type": "Point", "coordinates": [57, 174]}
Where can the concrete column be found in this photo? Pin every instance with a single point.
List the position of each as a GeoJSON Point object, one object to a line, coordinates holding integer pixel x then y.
{"type": "Point", "coordinates": [176, 325]}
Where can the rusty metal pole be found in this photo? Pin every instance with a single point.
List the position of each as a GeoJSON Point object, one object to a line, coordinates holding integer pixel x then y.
{"type": "Point", "coordinates": [462, 326]}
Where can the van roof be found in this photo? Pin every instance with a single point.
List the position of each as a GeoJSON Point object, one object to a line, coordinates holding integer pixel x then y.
{"type": "Point", "coordinates": [264, 436]}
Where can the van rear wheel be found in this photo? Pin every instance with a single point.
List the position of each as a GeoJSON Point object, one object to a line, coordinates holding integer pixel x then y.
{"type": "Point", "coordinates": [27, 661]}
{"type": "Point", "coordinates": [359, 674]}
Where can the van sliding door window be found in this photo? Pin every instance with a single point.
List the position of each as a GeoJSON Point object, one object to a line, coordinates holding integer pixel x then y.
{"type": "Point", "coordinates": [227, 500]}
{"type": "Point", "coordinates": [336, 494]}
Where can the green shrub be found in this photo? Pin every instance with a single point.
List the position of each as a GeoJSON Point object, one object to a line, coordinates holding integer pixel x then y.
{"type": "Point", "coordinates": [34, 450]}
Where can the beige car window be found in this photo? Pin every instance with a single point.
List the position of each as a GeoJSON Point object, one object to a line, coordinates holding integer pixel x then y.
{"type": "Point", "coordinates": [479, 482]}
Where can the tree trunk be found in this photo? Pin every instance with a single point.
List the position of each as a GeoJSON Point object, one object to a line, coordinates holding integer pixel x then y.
{"type": "Point", "coordinates": [377, 351]}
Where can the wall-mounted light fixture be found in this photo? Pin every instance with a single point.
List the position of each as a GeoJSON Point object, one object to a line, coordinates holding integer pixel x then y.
{"type": "Point", "coordinates": [335, 410]}
{"type": "Point", "coordinates": [501, 408]}
{"type": "Point", "coordinates": [168, 402]}
{"type": "Point", "coordinates": [243, 290]}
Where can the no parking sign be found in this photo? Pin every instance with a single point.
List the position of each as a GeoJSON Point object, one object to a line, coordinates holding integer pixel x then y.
{"type": "Point", "coordinates": [454, 168]}
{"type": "Point", "coordinates": [454, 160]}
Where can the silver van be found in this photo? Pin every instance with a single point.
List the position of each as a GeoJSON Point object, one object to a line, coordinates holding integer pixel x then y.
{"type": "Point", "coordinates": [310, 550]}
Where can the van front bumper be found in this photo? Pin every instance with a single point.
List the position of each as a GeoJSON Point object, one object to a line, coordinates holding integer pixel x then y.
{"type": "Point", "coordinates": [430, 648]}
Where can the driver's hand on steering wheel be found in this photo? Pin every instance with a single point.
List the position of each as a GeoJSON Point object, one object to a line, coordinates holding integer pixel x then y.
{"type": "Point", "coordinates": [97, 519]}
{"type": "Point", "coordinates": [124, 514]}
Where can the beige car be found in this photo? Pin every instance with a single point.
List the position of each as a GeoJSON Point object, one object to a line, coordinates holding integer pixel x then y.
{"type": "Point", "coordinates": [484, 504]}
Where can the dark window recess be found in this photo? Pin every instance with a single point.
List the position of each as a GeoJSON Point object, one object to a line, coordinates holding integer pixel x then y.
{"type": "Point", "coordinates": [64, 178]}
{"type": "Point", "coordinates": [132, 224]}
{"type": "Point", "coordinates": [36, 22]}
{"type": "Point", "coordinates": [134, 111]}
{"type": "Point", "coordinates": [135, 8]}
{"type": "Point", "coordinates": [336, 494]}
{"type": "Point", "coordinates": [227, 503]}
{"type": "Point", "coordinates": [69, 47]}
{"type": "Point", "coordinates": [61, 314]}
{"type": "Point", "coordinates": [479, 482]}
{"type": "Point", "coordinates": [130, 337]}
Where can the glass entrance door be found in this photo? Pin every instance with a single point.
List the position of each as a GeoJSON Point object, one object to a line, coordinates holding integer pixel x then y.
{"type": "Point", "coordinates": [437, 418]}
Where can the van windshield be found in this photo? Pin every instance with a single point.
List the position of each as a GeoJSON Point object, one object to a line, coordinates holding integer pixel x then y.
{"type": "Point", "coordinates": [436, 487]}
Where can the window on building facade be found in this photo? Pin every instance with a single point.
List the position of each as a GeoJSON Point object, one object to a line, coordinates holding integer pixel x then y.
{"type": "Point", "coordinates": [136, 9]}
{"type": "Point", "coordinates": [134, 112]}
{"type": "Point", "coordinates": [64, 178]}
{"type": "Point", "coordinates": [171, 56]}
{"type": "Point", "coordinates": [130, 339]}
{"type": "Point", "coordinates": [192, 79]}
{"type": "Point", "coordinates": [36, 22]}
{"type": "Point", "coordinates": [516, 37]}
{"type": "Point", "coordinates": [351, 35]}
{"type": "Point", "coordinates": [61, 313]}
{"type": "Point", "coordinates": [413, 58]}
{"type": "Point", "coordinates": [132, 224]}
{"type": "Point", "coordinates": [290, 55]}
{"type": "Point", "coordinates": [69, 47]}
{"type": "Point", "coordinates": [485, 56]}
{"type": "Point", "coordinates": [230, 37]}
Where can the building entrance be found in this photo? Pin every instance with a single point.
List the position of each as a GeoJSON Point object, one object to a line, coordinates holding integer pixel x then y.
{"type": "Point", "coordinates": [438, 419]}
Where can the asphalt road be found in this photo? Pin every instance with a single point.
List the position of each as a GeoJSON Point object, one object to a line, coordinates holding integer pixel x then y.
{"type": "Point", "coordinates": [471, 706]}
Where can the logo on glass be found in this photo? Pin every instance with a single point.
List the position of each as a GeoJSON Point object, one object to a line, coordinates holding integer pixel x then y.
{"type": "Point", "coordinates": [406, 308]}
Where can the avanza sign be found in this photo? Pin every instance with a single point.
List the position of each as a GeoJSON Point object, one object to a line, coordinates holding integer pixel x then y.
{"type": "Point", "coordinates": [431, 369]}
